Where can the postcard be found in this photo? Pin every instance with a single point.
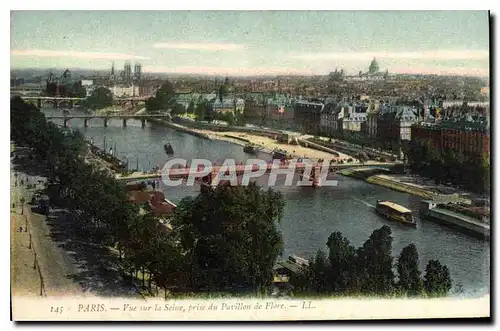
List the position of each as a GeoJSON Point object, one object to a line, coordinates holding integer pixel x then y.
{"type": "Point", "coordinates": [249, 165]}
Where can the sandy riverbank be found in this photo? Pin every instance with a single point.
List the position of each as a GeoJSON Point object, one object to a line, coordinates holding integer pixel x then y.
{"type": "Point", "coordinates": [266, 143]}
{"type": "Point", "coordinates": [413, 185]}
{"type": "Point", "coordinates": [271, 144]}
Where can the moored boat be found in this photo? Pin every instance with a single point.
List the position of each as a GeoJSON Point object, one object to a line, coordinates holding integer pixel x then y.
{"type": "Point", "coordinates": [395, 212]}
{"type": "Point", "coordinates": [250, 149]}
{"type": "Point", "coordinates": [168, 149]}
{"type": "Point", "coordinates": [279, 155]}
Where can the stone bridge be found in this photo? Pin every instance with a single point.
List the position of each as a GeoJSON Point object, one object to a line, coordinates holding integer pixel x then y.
{"type": "Point", "coordinates": [106, 118]}
{"type": "Point", "coordinates": [58, 102]}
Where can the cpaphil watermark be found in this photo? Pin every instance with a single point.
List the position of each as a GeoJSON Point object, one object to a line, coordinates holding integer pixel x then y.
{"type": "Point", "coordinates": [178, 171]}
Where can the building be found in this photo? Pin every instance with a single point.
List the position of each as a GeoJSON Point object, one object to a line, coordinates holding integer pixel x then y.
{"type": "Point", "coordinates": [137, 71]}
{"type": "Point", "coordinates": [14, 82]}
{"type": "Point", "coordinates": [87, 82]}
{"type": "Point", "coordinates": [280, 108]}
{"type": "Point", "coordinates": [127, 71]}
{"type": "Point", "coordinates": [466, 136]}
{"type": "Point", "coordinates": [394, 123]}
{"type": "Point", "coordinates": [126, 90]}
{"type": "Point", "coordinates": [331, 119]}
{"type": "Point", "coordinates": [225, 101]}
{"type": "Point", "coordinates": [148, 88]}
{"type": "Point", "coordinates": [354, 116]}
{"type": "Point", "coordinates": [371, 124]}
{"type": "Point", "coordinates": [227, 105]}
{"type": "Point", "coordinates": [254, 110]}
{"type": "Point", "coordinates": [307, 115]}
{"type": "Point", "coordinates": [373, 73]}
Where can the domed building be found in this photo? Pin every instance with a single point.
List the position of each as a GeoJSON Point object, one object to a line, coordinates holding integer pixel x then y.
{"type": "Point", "coordinates": [225, 90]}
{"type": "Point", "coordinates": [373, 68]}
{"type": "Point", "coordinates": [226, 101]}
{"type": "Point", "coordinates": [66, 77]}
{"type": "Point", "coordinates": [373, 72]}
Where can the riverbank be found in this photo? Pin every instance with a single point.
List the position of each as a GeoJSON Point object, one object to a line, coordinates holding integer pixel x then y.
{"type": "Point", "coordinates": [266, 144]}
{"type": "Point", "coordinates": [384, 179]}
{"type": "Point", "coordinates": [392, 183]}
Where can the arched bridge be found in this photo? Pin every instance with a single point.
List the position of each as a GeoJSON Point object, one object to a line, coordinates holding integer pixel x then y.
{"type": "Point", "coordinates": [69, 102]}
{"type": "Point", "coordinates": [106, 118]}
{"type": "Point", "coordinates": [56, 102]}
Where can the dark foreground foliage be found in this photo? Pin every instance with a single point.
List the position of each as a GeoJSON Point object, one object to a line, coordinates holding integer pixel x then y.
{"type": "Point", "coordinates": [368, 270]}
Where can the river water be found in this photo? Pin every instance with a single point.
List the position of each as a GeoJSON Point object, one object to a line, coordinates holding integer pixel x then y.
{"type": "Point", "coordinates": [311, 214]}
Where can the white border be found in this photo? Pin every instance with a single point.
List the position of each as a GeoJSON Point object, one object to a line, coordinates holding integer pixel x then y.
{"type": "Point", "coordinates": [198, 5]}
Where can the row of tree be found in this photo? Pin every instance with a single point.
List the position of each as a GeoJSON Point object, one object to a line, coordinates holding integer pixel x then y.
{"type": "Point", "coordinates": [369, 269]}
{"type": "Point", "coordinates": [471, 171]}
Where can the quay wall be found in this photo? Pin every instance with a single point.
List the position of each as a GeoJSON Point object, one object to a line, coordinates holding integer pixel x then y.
{"type": "Point", "coordinates": [179, 128]}
{"type": "Point", "coordinates": [115, 163]}
{"type": "Point", "coordinates": [310, 144]}
{"type": "Point", "coordinates": [399, 186]}
{"type": "Point", "coordinates": [459, 221]}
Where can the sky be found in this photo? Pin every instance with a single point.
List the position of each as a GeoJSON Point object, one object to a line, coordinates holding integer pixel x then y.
{"type": "Point", "coordinates": [237, 43]}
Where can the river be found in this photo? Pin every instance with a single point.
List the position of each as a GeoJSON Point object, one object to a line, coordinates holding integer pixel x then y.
{"type": "Point", "coordinates": [310, 215]}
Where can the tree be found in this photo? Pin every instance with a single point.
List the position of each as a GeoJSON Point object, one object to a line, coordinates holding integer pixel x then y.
{"type": "Point", "coordinates": [319, 271]}
{"type": "Point", "coordinates": [152, 104]}
{"type": "Point", "coordinates": [164, 98]}
{"type": "Point", "coordinates": [229, 237]}
{"type": "Point", "coordinates": [437, 281]}
{"type": "Point", "coordinates": [200, 110]}
{"type": "Point", "coordinates": [100, 98]}
{"type": "Point", "coordinates": [226, 117]}
{"type": "Point", "coordinates": [77, 90]}
{"type": "Point", "coordinates": [178, 109]}
{"type": "Point", "coordinates": [375, 262]}
{"type": "Point", "coordinates": [410, 281]}
{"type": "Point", "coordinates": [191, 108]}
{"type": "Point", "coordinates": [343, 260]}
{"type": "Point", "coordinates": [51, 89]}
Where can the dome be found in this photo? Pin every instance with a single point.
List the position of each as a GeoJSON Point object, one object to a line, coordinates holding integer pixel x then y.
{"type": "Point", "coordinates": [226, 89]}
{"type": "Point", "coordinates": [374, 68]}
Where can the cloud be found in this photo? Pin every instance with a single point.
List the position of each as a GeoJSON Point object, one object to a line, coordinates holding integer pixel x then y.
{"type": "Point", "coordinates": [211, 47]}
{"type": "Point", "coordinates": [82, 55]}
{"type": "Point", "coordinates": [424, 55]}
{"type": "Point", "coordinates": [231, 71]}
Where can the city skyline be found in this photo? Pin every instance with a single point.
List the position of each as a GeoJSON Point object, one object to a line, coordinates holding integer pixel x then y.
{"type": "Point", "coordinates": [254, 43]}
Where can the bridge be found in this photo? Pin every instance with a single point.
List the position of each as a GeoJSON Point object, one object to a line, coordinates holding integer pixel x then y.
{"type": "Point", "coordinates": [184, 172]}
{"type": "Point", "coordinates": [26, 91]}
{"type": "Point", "coordinates": [70, 102]}
{"type": "Point", "coordinates": [106, 118]}
{"type": "Point", "coordinates": [55, 101]}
